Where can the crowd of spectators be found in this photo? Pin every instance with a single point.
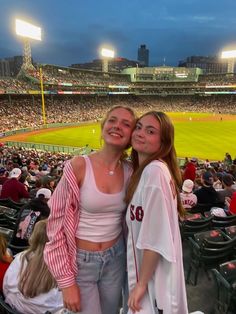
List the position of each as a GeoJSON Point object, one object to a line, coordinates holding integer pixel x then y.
{"type": "Point", "coordinates": [9, 85]}
{"type": "Point", "coordinates": [39, 172]}
{"type": "Point", "coordinates": [210, 184]}
{"type": "Point", "coordinates": [26, 111]}
{"type": "Point", "coordinates": [57, 76]}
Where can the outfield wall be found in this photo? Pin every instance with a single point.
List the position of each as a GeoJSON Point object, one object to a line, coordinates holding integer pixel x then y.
{"type": "Point", "coordinates": [45, 147]}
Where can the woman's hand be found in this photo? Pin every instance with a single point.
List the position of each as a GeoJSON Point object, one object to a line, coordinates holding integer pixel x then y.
{"type": "Point", "coordinates": [136, 296]}
{"type": "Point", "coordinates": [71, 298]}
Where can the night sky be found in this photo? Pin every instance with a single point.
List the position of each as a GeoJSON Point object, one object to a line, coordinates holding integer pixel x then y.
{"type": "Point", "coordinates": [73, 30]}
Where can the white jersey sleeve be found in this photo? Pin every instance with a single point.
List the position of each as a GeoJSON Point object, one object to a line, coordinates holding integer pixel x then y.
{"type": "Point", "coordinates": [160, 208]}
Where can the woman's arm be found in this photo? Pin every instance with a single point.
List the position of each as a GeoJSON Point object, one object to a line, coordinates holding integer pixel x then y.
{"type": "Point", "coordinates": [148, 266]}
{"type": "Point", "coordinates": [60, 251]}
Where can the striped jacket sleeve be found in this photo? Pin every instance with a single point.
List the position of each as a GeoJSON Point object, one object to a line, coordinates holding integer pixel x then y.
{"type": "Point", "coordinates": [60, 251]}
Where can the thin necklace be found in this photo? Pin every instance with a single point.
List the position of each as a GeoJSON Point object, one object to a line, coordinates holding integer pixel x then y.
{"type": "Point", "coordinates": [112, 172]}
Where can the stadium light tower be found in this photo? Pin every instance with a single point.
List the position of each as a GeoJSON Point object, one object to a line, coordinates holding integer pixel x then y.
{"type": "Point", "coordinates": [107, 54]}
{"type": "Point", "coordinates": [230, 55]}
{"type": "Point", "coordinates": [27, 31]}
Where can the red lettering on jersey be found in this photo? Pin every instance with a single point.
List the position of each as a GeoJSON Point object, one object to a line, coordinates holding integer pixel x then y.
{"type": "Point", "coordinates": [132, 215]}
{"type": "Point", "coordinates": [136, 213]}
{"type": "Point", "coordinates": [139, 213]}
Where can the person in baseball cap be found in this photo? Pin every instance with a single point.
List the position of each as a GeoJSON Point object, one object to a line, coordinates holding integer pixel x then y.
{"type": "Point", "coordinates": [188, 199]}
{"type": "Point", "coordinates": [13, 188]}
{"type": "Point", "coordinates": [15, 173]}
{"type": "Point", "coordinates": [208, 178]}
{"type": "Point", "coordinates": [207, 194]}
{"type": "Point", "coordinates": [188, 186]}
{"type": "Point", "coordinates": [45, 193]}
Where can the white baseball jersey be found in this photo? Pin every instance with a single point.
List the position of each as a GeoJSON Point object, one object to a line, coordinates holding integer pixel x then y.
{"type": "Point", "coordinates": [152, 220]}
{"type": "Point", "coordinates": [188, 200]}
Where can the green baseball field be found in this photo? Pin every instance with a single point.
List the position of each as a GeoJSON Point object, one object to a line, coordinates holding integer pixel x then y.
{"type": "Point", "coordinates": [200, 135]}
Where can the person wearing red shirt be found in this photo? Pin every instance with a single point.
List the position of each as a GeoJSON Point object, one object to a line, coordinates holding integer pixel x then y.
{"type": "Point", "coordinates": [231, 203]}
{"type": "Point", "coordinates": [190, 170]}
{"type": "Point", "coordinates": [14, 189]}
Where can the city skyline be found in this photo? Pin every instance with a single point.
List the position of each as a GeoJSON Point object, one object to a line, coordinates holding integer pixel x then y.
{"type": "Point", "coordinates": [73, 31]}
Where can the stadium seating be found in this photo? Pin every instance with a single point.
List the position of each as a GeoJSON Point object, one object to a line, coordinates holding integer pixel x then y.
{"type": "Point", "coordinates": [225, 277]}
{"type": "Point", "coordinates": [208, 250]}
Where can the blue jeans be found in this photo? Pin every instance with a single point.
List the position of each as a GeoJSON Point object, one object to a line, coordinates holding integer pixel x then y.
{"type": "Point", "coordinates": [100, 278]}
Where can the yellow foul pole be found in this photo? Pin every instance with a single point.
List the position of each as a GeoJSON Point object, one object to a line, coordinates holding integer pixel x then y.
{"type": "Point", "coordinates": [42, 93]}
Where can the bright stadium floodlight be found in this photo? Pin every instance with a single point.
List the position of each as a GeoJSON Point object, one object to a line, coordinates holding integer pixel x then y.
{"type": "Point", "coordinates": [230, 55]}
{"type": "Point", "coordinates": [27, 30]}
{"type": "Point", "coordinates": [106, 54]}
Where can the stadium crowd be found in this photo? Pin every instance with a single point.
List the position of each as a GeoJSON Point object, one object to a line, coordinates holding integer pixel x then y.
{"type": "Point", "coordinates": [39, 172]}
{"type": "Point", "coordinates": [26, 111]}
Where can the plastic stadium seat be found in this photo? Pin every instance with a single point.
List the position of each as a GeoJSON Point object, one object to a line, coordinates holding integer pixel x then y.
{"type": "Point", "coordinates": [9, 203]}
{"type": "Point", "coordinates": [223, 222]}
{"type": "Point", "coordinates": [7, 233]}
{"type": "Point", "coordinates": [208, 250]}
{"type": "Point", "coordinates": [231, 231]}
{"type": "Point", "coordinates": [189, 228]}
{"type": "Point", "coordinates": [225, 277]}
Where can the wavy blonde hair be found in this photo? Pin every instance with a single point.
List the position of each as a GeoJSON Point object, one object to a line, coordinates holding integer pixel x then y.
{"type": "Point", "coordinates": [166, 153]}
{"type": "Point", "coordinates": [35, 277]}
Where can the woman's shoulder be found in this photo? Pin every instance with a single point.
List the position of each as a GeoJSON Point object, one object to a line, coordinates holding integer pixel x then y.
{"type": "Point", "coordinates": [77, 162]}
{"type": "Point", "coordinates": [156, 164]}
{"type": "Point", "coordinates": [78, 167]}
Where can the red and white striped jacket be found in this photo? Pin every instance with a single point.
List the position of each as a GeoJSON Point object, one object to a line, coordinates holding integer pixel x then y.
{"type": "Point", "coordinates": [60, 251]}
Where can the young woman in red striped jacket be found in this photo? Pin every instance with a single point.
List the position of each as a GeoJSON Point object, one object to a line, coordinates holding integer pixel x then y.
{"type": "Point", "coordinates": [86, 251]}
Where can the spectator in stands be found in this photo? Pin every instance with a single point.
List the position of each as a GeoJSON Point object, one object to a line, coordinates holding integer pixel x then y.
{"type": "Point", "coordinates": [207, 164]}
{"type": "Point", "coordinates": [87, 209]}
{"type": "Point", "coordinates": [217, 185]}
{"type": "Point", "coordinates": [37, 186]}
{"type": "Point", "coordinates": [5, 258]}
{"type": "Point", "coordinates": [188, 199]}
{"type": "Point", "coordinates": [48, 182]}
{"type": "Point", "coordinates": [228, 160]}
{"type": "Point", "coordinates": [207, 194]}
{"type": "Point", "coordinates": [37, 209]}
{"type": "Point", "coordinates": [28, 286]}
{"type": "Point", "coordinates": [14, 189]}
{"type": "Point", "coordinates": [231, 204]}
{"type": "Point", "coordinates": [24, 179]}
{"type": "Point", "coordinates": [190, 170]}
{"type": "Point", "coordinates": [227, 182]}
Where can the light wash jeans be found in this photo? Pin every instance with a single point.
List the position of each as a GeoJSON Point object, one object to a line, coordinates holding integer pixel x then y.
{"type": "Point", "coordinates": [101, 277]}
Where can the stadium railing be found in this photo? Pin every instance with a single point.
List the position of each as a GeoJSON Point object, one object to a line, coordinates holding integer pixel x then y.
{"type": "Point", "coordinates": [45, 147]}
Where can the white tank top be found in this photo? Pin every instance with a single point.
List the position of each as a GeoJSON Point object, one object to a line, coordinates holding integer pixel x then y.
{"type": "Point", "coordinates": [101, 214]}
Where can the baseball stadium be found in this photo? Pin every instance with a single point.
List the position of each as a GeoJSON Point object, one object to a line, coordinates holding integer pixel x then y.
{"type": "Point", "coordinates": [50, 113]}
{"type": "Point", "coordinates": [202, 107]}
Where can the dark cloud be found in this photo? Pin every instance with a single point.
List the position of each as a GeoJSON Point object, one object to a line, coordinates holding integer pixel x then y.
{"type": "Point", "coordinates": [73, 30]}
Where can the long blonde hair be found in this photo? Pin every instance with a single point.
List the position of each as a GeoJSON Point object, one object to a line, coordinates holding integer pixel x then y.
{"type": "Point", "coordinates": [35, 277]}
{"type": "Point", "coordinates": [166, 153]}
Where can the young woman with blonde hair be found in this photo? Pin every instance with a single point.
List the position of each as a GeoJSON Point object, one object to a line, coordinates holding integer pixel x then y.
{"type": "Point", "coordinates": [28, 286]}
{"type": "Point", "coordinates": [86, 251]}
{"type": "Point", "coordinates": [154, 252]}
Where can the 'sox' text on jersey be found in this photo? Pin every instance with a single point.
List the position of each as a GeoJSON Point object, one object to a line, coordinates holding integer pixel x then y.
{"type": "Point", "coordinates": [136, 213]}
